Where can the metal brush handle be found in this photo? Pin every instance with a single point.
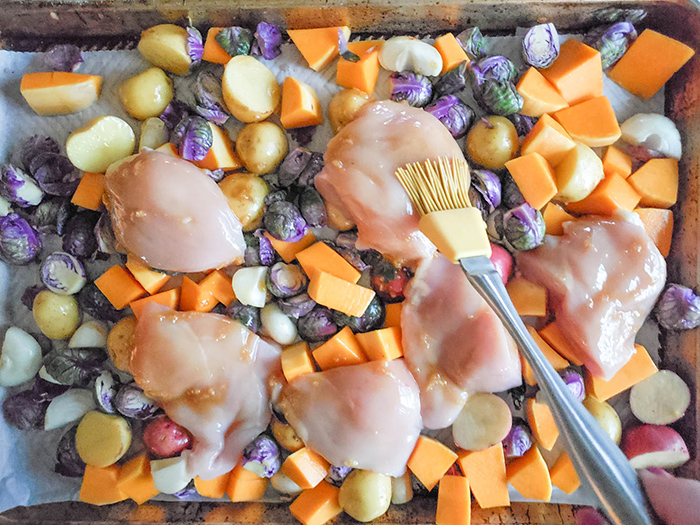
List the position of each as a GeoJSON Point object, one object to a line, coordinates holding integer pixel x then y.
{"type": "Point", "coordinates": [595, 456]}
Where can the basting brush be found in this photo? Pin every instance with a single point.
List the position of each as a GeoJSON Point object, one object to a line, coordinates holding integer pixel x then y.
{"type": "Point", "coordinates": [439, 190]}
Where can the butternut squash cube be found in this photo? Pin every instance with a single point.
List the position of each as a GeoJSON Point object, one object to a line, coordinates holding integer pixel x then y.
{"type": "Point", "coordinates": [318, 46]}
{"type": "Point", "coordinates": [564, 474]}
{"type": "Point", "coordinates": [549, 139]}
{"type": "Point", "coordinates": [529, 475]}
{"type": "Point", "coordinates": [592, 122]}
{"type": "Point", "coordinates": [577, 73]}
{"type": "Point", "coordinates": [451, 52]}
{"type": "Point", "coordinates": [612, 194]}
{"type": "Point", "coordinates": [659, 226]}
{"type": "Point", "coordinates": [300, 105]}
{"type": "Point", "coordinates": [639, 367]}
{"type": "Point", "coordinates": [539, 96]}
{"type": "Point", "coordinates": [657, 183]}
{"type": "Point", "coordinates": [487, 471]}
{"type": "Point", "coordinates": [554, 218]}
{"type": "Point", "coordinates": [90, 190]}
{"type": "Point", "coordinates": [363, 74]}
{"type": "Point", "coordinates": [342, 349]}
{"type": "Point", "coordinates": [535, 178]}
{"type": "Point", "coordinates": [616, 161]}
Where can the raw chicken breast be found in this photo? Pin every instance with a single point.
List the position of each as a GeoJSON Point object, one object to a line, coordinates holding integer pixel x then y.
{"type": "Point", "coordinates": [171, 215]}
{"type": "Point", "coordinates": [358, 175]}
{"type": "Point", "coordinates": [603, 277]}
{"type": "Point", "coordinates": [363, 416]}
{"type": "Point", "coordinates": [212, 376]}
{"type": "Point", "coordinates": [453, 343]}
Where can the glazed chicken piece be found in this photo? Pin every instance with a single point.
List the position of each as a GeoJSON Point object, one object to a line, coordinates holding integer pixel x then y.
{"type": "Point", "coordinates": [170, 214]}
{"type": "Point", "coordinates": [603, 277]}
{"type": "Point", "coordinates": [363, 416]}
{"type": "Point", "coordinates": [453, 343]}
{"type": "Point", "coordinates": [358, 175]}
{"type": "Point", "coordinates": [211, 375]}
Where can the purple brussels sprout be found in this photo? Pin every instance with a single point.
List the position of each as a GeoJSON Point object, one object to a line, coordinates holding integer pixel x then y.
{"type": "Point", "coordinates": [574, 382]}
{"type": "Point", "coordinates": [106, 388]}
{"type": "Point", "coordinates": [35, 145]}
{"type": "Point", "coordinates": [55, 174]}
{"type": "Point", "coordinates": [174, 113]}
{"type": "Point", "coordinates": [518, 440]}
{"type": "Point", "coordinates": [511, 197]}
{"type": "Point", "coordinates": [63, 274]}
{"type": "Point", "coordinates": [292, 166]}
{"type": "Point", "coordinates": [523, 124]}
{"type": "Point", "coordinates": [317, 326]}
{"type": "Point", "coordinates": [259, 250]}
{"type": "Point", "coordinates": [47, 215]}
{"type": "Point", "coordinates": [63, 57]}
{"type": "Point", "coordinates": [19, 242]}
{"type": "Point", "coordinates": [284, 221]}
{"type": "Point", "coordinates": [453, 81]}
{"type": "Point", "coordinates": [414, 88]}
{"type": "Point", "coordinates": [74, 366]}
{"type": "Point", "coordinates": [492, 84]}
{"type": "Point", "coordinates": [79, 237]}
{"type": "Point", "coordinates": [303, 135]}
{"type": "Point", "coordinates": [473, 43]}
{"type": "Point", "coordinates": [131, 402]}
{"type": "Point", "coordinates": [93, 302]}
{"type": "Point", "coordinates": [297, 306]}
{"type": "Point", "coordinates": [494, 67]}
{"type": "Point", "coordinates": [104, 234]}
{"type": "Point", "coordinates": [337, 474]}
{"type": "Point", "coordinates": [346, 240]}
{"type": "Point", "coordinates": [541, 45]}
{"type": "Point", "coordinates": [24, 411]}
{"type": "Point", "coordinates": [286, 280]}
{"type": "Point", "coordinates": [495, 227]}
{"type": "Point", "coordinates": [262, 456]}
{"type": "Point", "coordinates": [195, 45]}
{"type": "Point", "coordinates": [313, 207]}
{"type": "Point", "coordinates": [485, 190]}
{"type": "Point", "coordinates": [523, 227]}
{"type": "Point", "coordinates": [193, 137]}
{"type": "Point", "coordinates": [248, 316]}
{"type": "Point", "coordinates": [312, 169]}
{"type": "Point", "coordinates": [190, 491]}
{"type": "Point", "coordinates": [18, 187]}
{"type": "Point", "coordinates": [209, 100]}
{"type": "Point", "coordinates": [372, 319]}
{"type": "Point", "coordinates": [68, 461]}
{"type": "Point", "coordinates": [678, 308]}
{"type": "Point", "coordinates": [268, 38]}
{"type": "Point", "coordinates": [235, 40]}
{"type": "Point", "coordinates": [612, 41]}
{"type": "Point", "coordinates": [455, 115]}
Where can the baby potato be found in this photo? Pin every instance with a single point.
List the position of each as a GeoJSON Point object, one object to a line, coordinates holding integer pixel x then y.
{"type": "Point", "coordinates": [365, 495]}
{"type": "Point", "coordinates": [146, 94]}
{"type": "Point", "coordinates": [250, 90]}
{"type": "Point", "coordinates": [606, 417]}
{"type": "Point", "coordinates": [344, 106]}
{"type": "Point", "coordinates": [261, 146]}
{"type": "Point", "coordinates": [165, 46]}
{"type": "Point", "coordinates": [492, 142]}
{"type": "Point", "coordinates": [99, 143]}
{"type": "Point", "coordinates": [120, 342]}
{"type": "Point", "coordinates": [246, 193]}
{"type": "Point", "coordinates": [337, 219]}
{"type": "Point", "coordinates": [286, 436]}
{"type": "Point", "coordinates": [57, 316]}
{"type": "Point", "coordinates": [102, 439]}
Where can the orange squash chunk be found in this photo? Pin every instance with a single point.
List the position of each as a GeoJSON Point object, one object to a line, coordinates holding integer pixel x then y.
{"type": "Point", "coordinates": [151, 280]}
{"type": "Point", "coordinates": [527, 297]}
{"type": "Point", "coordinates": [321, 257]}
{"type": "Point", "coordinates": [487, 471]}
{"type": "Point", "coordinates": [244, 485]}
{"type": "Point", "coordinates": [616, 161]}
{"type": "Point", "coordinates": [342, 349]}
{"type": "Point", "coordinates": [592, 122]}
{"type": "Point", "coordinates": [288, 250]}
{"type": "Point", "coordinates": [451, 52]}
{"type": "Point", "coordinates": [541, 422]}
{"type": "Point", "coordinates": [213, 52]}
{"type": "Point", "coordinates": [552, 335]}
{"type": "Point", "coordinates": [577, 73]}
{"type": "Point", "coordinates": [564, 475]}
{"type": "Point", "coordinates": [363, 74]}
{"type": "Point", "coordinates": [611, 194]}
{"type": "Point", "coordinates": [454, 505]}
{"type": "Point", "coordinates": [539, 96]}
{"type": "Point", "coordinates": [657, 182]}
{"type": "Point", "coordinates": [430, 460]}
{"type": "Point", "coordinates": [338, 294]}
{"type": "Point", "coordinates": [193, 298]}
{"type": "Point", "coordinates": [169, 298]}
{"type": "Point", "coordinates": [221, 154]}
{"type": "Point", "coordinates": [659, 226]}
{"type": "Point", "coordinates": [90, 190]}
{"type": "Point", "coordinates": [296, 361]}
{"type": "Point", "coordinates": [381, 345]}
{"type": "Point", "coordinates": [557, 361]}
{"type": "Point", "coordinates": [649, 63]}
{"type": "Point", "coordinates": [220, 286]}
{"type": "Point", "coordinates": [529, 475]}
{"type": "Point", "coordinates": [639, 367]}
{"type": "Point", "coordinates": [548, 138]}
{"type": "Point", "coordinates": [393, 315]}
{"type": "Point", "coordinates": [135, 480]}
{"type": "Point", "coordinates": [99, 486]}
{"type": "Point", "coordinates": [554, 218]}
{"type": "Point", "coordinates": [300, 105]}
{"type": "Point", "coordinates": [318, 46]}
{"type": "Point", "coordinates": [119, 286]}
{"type": "Point", "coordinates": [318, 505]}
{"type": "Point", "coordinates": [305, 467]}
{"type": "Point", "coordinates": [535, 178]}
{"type": "Point", "coordinates": [212, 488]}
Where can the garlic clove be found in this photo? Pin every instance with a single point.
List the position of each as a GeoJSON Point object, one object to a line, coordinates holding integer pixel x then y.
{"type": "Point", "coordinates": [91, 334]}
{"type": "Point", "coordinates": [68, 407]}
{"type": "Point", "coordinates": [170, 475]}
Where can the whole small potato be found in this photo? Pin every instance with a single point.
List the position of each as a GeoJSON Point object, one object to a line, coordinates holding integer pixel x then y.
{"type": "Point", "coordinates": [246, 193]}
{"type": "Point", "coordinates": [120, 342]}
{"type": "Point", "coordinates": [165, 46]}
{"type": "Point", "coordinates": [251, 91]}
{"type": "Point", "coordinates": [492, 142]}
{"type": "Point", "coordinates": [286, 436]}
{"type": "Point", "coordinates": [146, 94]}
{"type": "Point", "coordinates": [344, 106]}
{"type": "Point", "coordinates": [365, 495]}
{"type": "Point", "coordinates": [261, 146]}
{"type": "Point", "coordinates": [337, 219]}
{"type": "Point", "coordinates": [57, 316]}
{"type": "Point", "coordinates": [606, 417]}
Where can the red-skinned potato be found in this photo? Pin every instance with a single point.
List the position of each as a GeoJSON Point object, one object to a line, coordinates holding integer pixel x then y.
{"type": "Point", "coordinates": [165, 438]}
{"type": "Point", "coordinates": [654, 446]}
{"type": "Point", "coordinates": [503, 261]}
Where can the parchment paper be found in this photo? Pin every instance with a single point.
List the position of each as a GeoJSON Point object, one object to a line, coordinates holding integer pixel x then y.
{"type": "Point", "coordinates": [27, 457]}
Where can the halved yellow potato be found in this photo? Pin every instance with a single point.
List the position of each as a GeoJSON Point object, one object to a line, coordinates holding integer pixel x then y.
{"type": "Point", "coordinates": [250, 90]}
{"type": "Point", "coordinates": [102, 439]}
{"type": "Point", "coordinates": [99, 143]}
{"type": "Point", "coordinates": [165, 46]}
{"type": "Point", "coordinates": [60, 93]}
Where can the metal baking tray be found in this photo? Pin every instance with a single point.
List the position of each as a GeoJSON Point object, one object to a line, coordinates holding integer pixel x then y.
{"type": "Point", "coordinates": [30, 25]}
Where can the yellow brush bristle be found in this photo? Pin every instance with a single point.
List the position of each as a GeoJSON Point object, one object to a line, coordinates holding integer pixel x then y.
{"type": "Point", "coordinates": [436, 185]}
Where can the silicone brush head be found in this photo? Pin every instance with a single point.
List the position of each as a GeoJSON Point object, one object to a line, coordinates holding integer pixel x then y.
{"type": "Point", "coordinates": [439, 190]}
